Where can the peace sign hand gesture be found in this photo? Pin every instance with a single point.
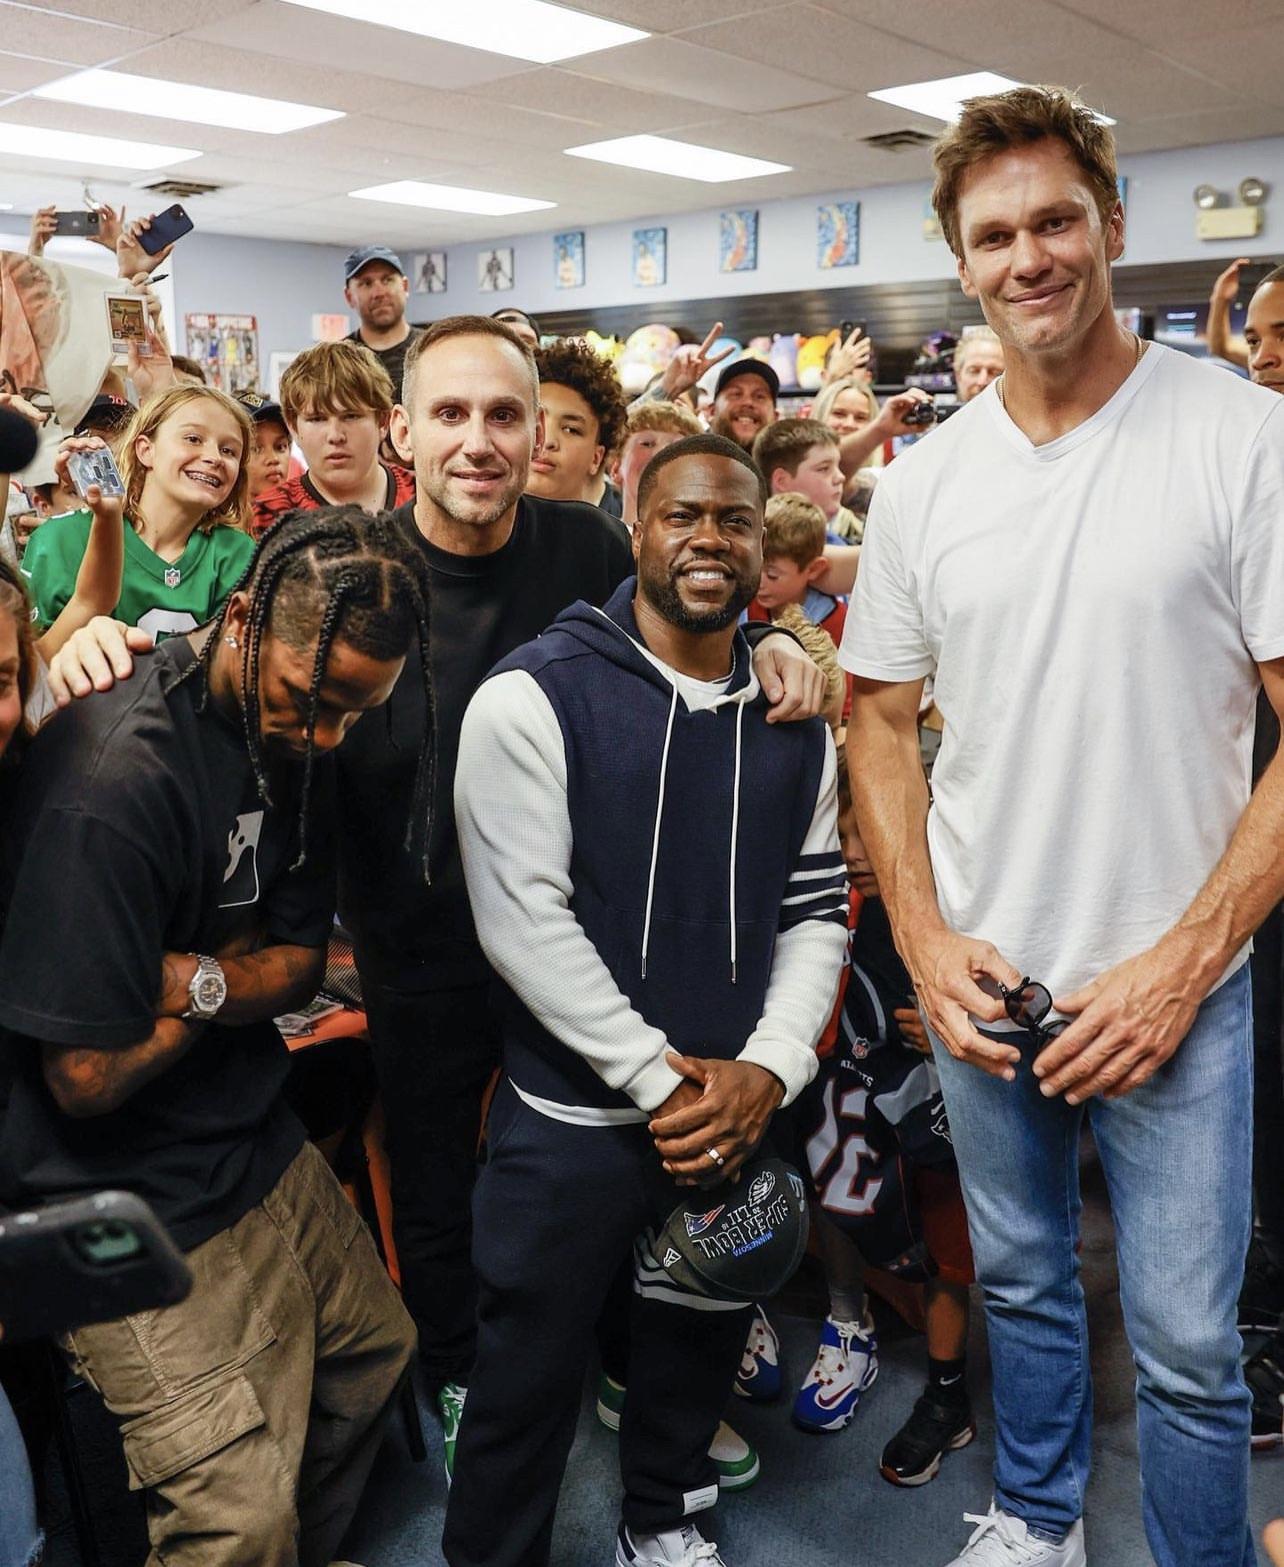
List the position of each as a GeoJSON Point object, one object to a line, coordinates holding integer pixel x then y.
{"type": "Point", "coordinates": [690, 362]}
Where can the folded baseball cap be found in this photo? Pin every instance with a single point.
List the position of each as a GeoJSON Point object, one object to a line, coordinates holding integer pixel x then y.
{"type": "Point", "coordinates": [259, 407]}
{"type": "Point", "coordinates": [750, 366]}
{"type": "Point", "coordinates": [368, 253]}
{"type": "Point", "coordinates": [739, 1241]}
{"type": "Point", "coordinates": [105, 413]}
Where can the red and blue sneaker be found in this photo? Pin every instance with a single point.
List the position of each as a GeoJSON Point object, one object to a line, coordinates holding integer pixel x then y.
{"type": "Point", "coordinates": [846, 1364]}
{"type": "Point", "coordinates": [759, 1378]}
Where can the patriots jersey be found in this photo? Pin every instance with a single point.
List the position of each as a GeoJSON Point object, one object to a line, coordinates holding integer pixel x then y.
{"type": "Point", "coordinates": [875, 1111]}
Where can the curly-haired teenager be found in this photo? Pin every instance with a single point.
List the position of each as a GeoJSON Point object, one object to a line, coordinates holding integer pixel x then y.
{"type": "Point", "coordinates": [585, 413]}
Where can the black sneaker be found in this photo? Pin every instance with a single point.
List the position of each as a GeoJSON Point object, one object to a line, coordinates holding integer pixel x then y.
{"type": "Point", "coordinates": [935, 1427]}
{"type": "Point", "coordinates": [1264, 1373]}
{"type": "Point", "coordinates": [1261, 1300]}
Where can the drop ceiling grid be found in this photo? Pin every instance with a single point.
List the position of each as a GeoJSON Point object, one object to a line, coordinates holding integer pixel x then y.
{"type": "Point", "coordinates": [783, 79]}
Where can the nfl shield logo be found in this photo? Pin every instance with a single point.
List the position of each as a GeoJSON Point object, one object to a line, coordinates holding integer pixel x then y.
{"type": "Point", "coordinates": [173, 576]}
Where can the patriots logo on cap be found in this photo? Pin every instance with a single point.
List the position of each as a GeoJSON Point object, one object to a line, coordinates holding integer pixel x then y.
{"type": "Point", "coordinates": [698, 1223]}
{"type": "Point", "coordinates": [761, 1186]}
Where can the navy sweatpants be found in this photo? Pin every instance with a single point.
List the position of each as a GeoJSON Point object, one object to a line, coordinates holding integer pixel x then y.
{"type": "Point", "coordinates": [557, 1208]}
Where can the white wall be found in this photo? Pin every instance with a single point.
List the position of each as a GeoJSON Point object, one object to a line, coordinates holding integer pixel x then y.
{"type": "Point", "coordinates": [284, 284]}
{"type": "Point", "coordinates": [1161, 227]}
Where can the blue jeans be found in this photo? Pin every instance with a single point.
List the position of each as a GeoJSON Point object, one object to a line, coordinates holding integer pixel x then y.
{"type": "Point", "coordinates": [20, 1538]}
{"type": "Point", "coordinates": [1176, 1155]}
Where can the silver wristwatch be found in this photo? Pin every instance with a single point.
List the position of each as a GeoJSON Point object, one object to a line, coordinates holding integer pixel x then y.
{"type": "Point", "coordinates": [208, 990]}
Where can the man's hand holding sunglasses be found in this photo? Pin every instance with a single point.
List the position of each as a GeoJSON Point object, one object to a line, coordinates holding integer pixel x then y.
{"type": "Point", "coordinates": [1127, 1023]}
{"type": "Point", "coordinates": [947, 969]}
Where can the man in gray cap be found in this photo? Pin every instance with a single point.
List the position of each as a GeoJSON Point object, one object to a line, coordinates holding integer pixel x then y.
{"type": "Point", "coordinates": [375, 286]}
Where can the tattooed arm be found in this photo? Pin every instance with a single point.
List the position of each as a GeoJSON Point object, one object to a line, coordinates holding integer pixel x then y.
{"type": "Point", "coordinates": [260, 984]}
{"type": "Point", "coordinates": [87, 1082]}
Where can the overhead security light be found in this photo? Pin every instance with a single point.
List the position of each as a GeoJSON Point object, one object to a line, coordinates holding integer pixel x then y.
{"type": "Point", "coordinates": [944, 99]}
{"type": "Point", "coordinates": [34, 141]}
{"type": "Point", "coordinates": [521, 29]}
{"type": "Point", "coordinates": [450, 198]}
{"type": "Point", "coordinates": [663, 155]}
{"type": "Point", "coordinates": [166, 100]}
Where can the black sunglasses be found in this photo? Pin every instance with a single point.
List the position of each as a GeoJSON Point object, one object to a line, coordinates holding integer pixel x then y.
{"type": "Point", "coordinates": [1027, 1004]}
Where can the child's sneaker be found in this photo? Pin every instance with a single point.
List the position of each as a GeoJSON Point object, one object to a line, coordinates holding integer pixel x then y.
{"type": "Point", "coordinates": [736, 1462]}
{"type": "Point", "coordinates": [936, 1426]}
{"type": "Point", "coordinates": [846, 1364]}
{"type": "Point", "coordinates": [759, 1378]}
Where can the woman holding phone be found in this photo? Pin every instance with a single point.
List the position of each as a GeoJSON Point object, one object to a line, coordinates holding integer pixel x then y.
{"type": "Point", "coordinates": [183, 468]}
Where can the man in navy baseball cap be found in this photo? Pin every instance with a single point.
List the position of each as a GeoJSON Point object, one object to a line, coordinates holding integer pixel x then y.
{"type": "Point", "coordinates": [376, 287]}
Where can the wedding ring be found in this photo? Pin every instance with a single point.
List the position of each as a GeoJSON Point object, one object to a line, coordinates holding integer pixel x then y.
{"type": "Point", "coordinates": [715, 1156]}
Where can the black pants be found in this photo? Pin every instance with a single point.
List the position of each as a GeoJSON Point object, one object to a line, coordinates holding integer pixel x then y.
{"type": "Point", "coordinates": [434, 1054]}
{"type": "Point", "coordinates": [557, 1208]}
{"type": "Point", "coordinates": [1268, 1079]}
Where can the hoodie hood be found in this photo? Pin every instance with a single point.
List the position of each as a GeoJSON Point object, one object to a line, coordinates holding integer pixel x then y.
{"type": "Point", "coordinates": [612, 632]}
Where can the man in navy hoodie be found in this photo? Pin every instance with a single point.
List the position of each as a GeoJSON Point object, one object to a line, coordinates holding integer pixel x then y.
{"type": "Point", "coordinates": [655, 876]}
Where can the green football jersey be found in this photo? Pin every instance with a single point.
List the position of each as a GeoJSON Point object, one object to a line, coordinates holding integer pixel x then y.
{"type": "Point", "coordinates": [162, 597]}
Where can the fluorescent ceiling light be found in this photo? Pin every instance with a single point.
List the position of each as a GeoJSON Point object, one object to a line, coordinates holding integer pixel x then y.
{"type": "Point", "coordinates": [34, 141]}
{"type": "Point", "coordinates": [662, 155]}
{"type": "Point", "coordinates": [522, 29]}
{"type": "Point", "coordinates": [450, 198]}
{"type": "Point", "coordinates": [237, 111]}
{"type": "Point", "coordinates": [944, 99]}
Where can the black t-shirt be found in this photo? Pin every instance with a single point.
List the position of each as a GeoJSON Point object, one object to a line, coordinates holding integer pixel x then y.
{"type": "Point", "coordinates": [611, 502]}
{"type": "Point", "coordinates": [135, 828]}
{"type": "Point", "coordinates": [392, 359]}
{"type": "Point", "coordinates": [410, 936]}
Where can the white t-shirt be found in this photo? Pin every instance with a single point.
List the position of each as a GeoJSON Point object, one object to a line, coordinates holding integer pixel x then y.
{"type": "Point", "coordinates": [1092, 611]}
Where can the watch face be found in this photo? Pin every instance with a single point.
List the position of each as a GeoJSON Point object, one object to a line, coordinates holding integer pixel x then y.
{"type": "Point", "coordinates": [211, 992]}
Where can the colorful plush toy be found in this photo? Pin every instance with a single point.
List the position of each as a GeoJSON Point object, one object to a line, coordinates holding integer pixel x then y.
{"type": "Point", "coordinates": [646, 353]}
{"type": "Point", "coordinates": [811, 359]}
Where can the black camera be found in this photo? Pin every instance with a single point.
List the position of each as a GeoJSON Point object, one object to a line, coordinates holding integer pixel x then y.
{"type": "Point", "coordinates": [920, 414]}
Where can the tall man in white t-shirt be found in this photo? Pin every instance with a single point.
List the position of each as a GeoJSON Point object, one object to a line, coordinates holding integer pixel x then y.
{"type": "Point", "coordinates": [1089, 559]}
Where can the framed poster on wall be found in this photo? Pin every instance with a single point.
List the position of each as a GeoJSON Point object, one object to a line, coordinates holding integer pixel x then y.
{"type": "Point", "coordinates": [227, 349]}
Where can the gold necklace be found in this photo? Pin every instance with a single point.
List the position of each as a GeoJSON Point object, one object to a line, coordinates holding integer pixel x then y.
{"type": "Point", "coordinates": [1140, 349]}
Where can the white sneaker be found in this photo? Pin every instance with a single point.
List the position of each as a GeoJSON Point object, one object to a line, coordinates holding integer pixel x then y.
{"type": "Point", "coordinates": [1000, 1540]}
{"type": "Point", "coordinates": [684, 1547]}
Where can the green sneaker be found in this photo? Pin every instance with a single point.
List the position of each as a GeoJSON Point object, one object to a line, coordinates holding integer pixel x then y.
{"type": "Point", "coordinates": [450, 1406]}
{"type": "Point", "coordinates": [736, 1462]}
{"type": "Point", "coordinates": [610, 1402]}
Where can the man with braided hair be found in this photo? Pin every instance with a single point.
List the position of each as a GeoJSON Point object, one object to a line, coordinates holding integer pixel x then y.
{"type": "Point", "coordinates": [182, 825]}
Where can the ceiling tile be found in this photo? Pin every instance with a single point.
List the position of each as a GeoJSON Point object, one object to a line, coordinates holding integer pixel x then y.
{"type": "Point", "coordinates": [468, 116]}
{"type": "Point", "coordinates": [555, 88]}
{"type": "Point", "coordinates": [19, 72]}
{"type": "Point", "coordinates": [56, 37]}
{"type": "Point", "coordinates": [1156, 22]}
{"type": "Point", "coordinates": [672, 65]}
{"type": "Point", "coordinates": [151, 16]}
{"type": "Point", "coordinates": [243, 70]}
{"type": "Point", "coordinates": [1245, 60]}
{"type": "Point", "coordinates": [665, 16]}
{"type": "Point", "coordinates": [838, 50]}
{"type": "Point", "coordinates": [289, 33]}
{"type": "Point", "coordinates": [1134, 84]}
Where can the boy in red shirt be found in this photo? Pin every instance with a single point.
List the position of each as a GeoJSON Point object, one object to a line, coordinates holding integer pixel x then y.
{"type": "Point", "coordinates": [337, 399]}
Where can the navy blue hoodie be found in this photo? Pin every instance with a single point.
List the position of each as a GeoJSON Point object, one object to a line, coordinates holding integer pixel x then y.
{"type": "Point", "coordinates": [688, 832]}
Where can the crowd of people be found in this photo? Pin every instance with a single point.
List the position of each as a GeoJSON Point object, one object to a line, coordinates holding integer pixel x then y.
{"type": "Point", "coordinates": [685, 779]}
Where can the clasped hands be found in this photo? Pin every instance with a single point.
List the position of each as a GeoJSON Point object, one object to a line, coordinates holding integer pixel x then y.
{"type": "Point", "coordinates": [719, 1105]}
{"type": "Point", "coordinates": [1126, 1023]}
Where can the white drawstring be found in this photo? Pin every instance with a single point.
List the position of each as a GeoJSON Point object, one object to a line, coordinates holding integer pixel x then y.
{"type": "Point", "coordinates": [655, 841]}
{"type": "Point", "coordinates": [735, 827]}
